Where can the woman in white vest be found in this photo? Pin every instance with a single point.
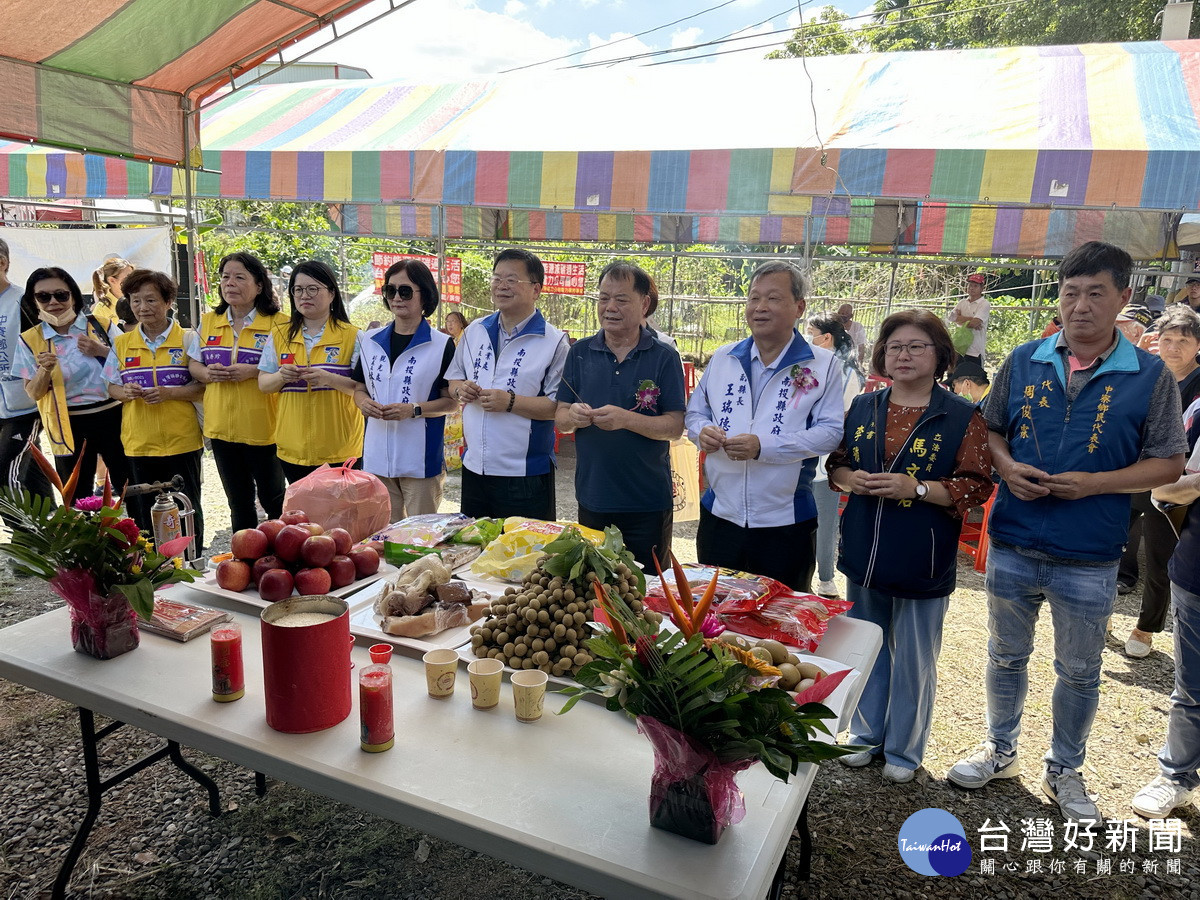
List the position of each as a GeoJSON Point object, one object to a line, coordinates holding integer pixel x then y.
{"type": "Point", "coordinates": [401, 387]}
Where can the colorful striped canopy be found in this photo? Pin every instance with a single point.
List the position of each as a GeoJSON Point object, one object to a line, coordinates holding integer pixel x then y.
{"type": "Point", "coordinates": [1012, 152]}
{"type": "Point", "coordinates": [116, 76]}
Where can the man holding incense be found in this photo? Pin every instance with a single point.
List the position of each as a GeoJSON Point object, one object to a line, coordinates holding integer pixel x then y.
{"type": "Point", "coordinates": [622, 394]}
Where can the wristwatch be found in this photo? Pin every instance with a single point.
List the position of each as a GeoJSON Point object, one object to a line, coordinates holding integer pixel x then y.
{"type": "Point", "coordinates": [922, 490]}
{"type": "Point", "coordinates": [416, 410]}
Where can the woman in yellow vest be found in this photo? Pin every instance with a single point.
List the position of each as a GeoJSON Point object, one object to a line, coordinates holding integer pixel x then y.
{"type": "Point", "coordinates": [239, 419]}
{"type": "Point", "coordinates": [108, 292]}
{"type": "Point", "coordinates": [148, 371]}
{"type": "Point", "coordinates": [309, 363]}
{"type": "Point", "coordinates": [61, 360]}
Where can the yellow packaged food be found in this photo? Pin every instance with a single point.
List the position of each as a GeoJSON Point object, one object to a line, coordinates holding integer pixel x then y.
{"type": "Point", "coordinates": [515, 553]}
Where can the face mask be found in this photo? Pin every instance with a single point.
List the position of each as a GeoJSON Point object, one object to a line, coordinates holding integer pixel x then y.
{"type": "Point", "coordinates": [64, 318]}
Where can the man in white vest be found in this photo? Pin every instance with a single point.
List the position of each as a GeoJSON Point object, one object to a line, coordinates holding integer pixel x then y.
{"type": "Point", "coordinates": [765, 409]}
{"type": "Point", "coordinates": [505, 373]}
{"type": "Point", "coordinates": [18, 414]}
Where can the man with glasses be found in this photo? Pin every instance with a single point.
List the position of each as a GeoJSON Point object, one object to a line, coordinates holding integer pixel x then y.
{"type": "Point", "coordinates": [18, 413]}
{"type": "Point", "coordinates": [1078, 421]}
{"type": "Point", "coordinates": [505, 373]}
{"type": "Point", "coordinates": [765, 409]}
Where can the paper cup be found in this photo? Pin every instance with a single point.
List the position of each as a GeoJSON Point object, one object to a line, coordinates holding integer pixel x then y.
{"type": "Point", "coordinates": [485, 682]}
{"type": "Point", "coordinates": [440, 669]}
{"type": "Point", "coordinates": [529, 693]}
{"type": "Point", "coordinates": [380, 653]}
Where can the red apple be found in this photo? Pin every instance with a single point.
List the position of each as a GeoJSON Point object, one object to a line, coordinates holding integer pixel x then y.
{"type": "Point", "coordinates": [294, 517]}
{"type": "Point", "coordinates": [342, 538]}
{"type": "Point", "coordinates": [275, 584]}
{"type": "Point", "coordinates": [313, 581]}
{"type": "Point", "coordinates": [271, 529]}
{"type": "Point", "coordinates": [366, 561]}
{"type": "Point", "coordinates": [289, 542]}
{"type": "Point", "coordinates": [342, 571]}
{"type": "Point", "coordinates": [313, 528]}
{"type": "Point", "coordinates": [318, 551]}
{"type": "Point", "coordinates": [233, 574]}
{"type": "Point", "coordinates": [250, 544]}
{"type": "Point", "coordinates": [377, 546]}
{"type": "Point", "coordinates": [265, 564]}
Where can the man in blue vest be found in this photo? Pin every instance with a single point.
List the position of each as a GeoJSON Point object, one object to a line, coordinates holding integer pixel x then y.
{"type": "Point", "coordinates": [505, 372]}
{"type": "Point", "coordinates": [1079, 421]}
{"type": "Point", "coordinates": [622, 395]}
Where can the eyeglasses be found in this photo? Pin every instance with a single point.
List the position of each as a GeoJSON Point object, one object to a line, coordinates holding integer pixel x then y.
{"type": "Point", "coordinates": [310, 290]}
{"type": "Point", "coordinates": [912, 348]}
{"type": "Point", "coordinates": [508, 281]}
{"type": "Point", "coordinates": [404, 291]}
{"type": "Point", "coordinates": [47, 296]}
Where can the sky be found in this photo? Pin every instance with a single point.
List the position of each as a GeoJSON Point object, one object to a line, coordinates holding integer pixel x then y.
{"type": "Point", "coordinates": [452, 40]}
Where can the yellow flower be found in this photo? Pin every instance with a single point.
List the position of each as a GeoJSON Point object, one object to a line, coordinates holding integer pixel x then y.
{"type": "Point", "coordinates": [136, 569]}
{"type": "Point", "coordinates": [177, 562]}
{"type": "Point", "coordinates": [746, 658]}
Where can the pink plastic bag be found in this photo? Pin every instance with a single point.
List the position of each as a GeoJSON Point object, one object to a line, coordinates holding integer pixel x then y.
{"type": "Point", "coordinates": [341, 497]}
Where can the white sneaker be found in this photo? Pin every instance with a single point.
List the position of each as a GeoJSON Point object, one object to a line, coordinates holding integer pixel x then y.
{"type": "Point", "coordinates": [1066, 788]}
{"type": "Point", "coordinates": [1139, 644]}
{"type": "Point", "coordinates": [827, 589]}
{"type": "Point", "coordinates": [1157, 799]}
{"type": "Point", "coordinates": [898, 774]}
{"type": "Point", "coordinates": [857, 760]}
{"type": "Point", "coordinates": [982, 766]}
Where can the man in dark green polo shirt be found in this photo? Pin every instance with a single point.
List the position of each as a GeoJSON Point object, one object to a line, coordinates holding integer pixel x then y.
{"type": "Point", "coordinates": [622, 395]}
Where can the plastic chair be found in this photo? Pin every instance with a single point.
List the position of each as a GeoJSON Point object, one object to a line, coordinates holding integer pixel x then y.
{"type": "Point", "coordinates": [689, 379]}
{"type": "Point", "coordinates": [973, 539]}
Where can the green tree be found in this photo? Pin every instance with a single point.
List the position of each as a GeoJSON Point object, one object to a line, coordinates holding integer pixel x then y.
{"type": "Point", "coordinates": [826, 35]}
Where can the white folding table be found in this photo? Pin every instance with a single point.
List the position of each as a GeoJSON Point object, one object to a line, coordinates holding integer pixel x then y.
{"type": "Point", "coordinates": [566, 796]}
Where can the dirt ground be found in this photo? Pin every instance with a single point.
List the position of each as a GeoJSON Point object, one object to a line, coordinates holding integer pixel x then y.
{"type": "Point", "coordinates": [155, 838]}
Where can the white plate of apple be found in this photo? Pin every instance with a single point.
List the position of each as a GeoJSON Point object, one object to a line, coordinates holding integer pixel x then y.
{"type": "Point", "coordinates": [291, 555]}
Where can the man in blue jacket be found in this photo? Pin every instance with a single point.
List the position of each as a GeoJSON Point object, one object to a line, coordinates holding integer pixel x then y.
{"type": "Point", "coordinates": [1078, 421]}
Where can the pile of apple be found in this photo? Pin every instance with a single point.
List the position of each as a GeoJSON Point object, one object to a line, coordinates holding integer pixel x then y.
{"type": "Point", "coordinates": [293, 554]}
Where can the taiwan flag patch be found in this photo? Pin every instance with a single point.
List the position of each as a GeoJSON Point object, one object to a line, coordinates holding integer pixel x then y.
{"type": "Point", "coordinates": [214, 340]}
{"type": "Point", "coordinates": [133, 360]}
{"type": "Point", "coordinates": [287, 358]}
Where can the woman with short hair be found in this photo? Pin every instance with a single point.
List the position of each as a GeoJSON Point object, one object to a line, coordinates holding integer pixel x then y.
{"type": "Point", "coordinates": [147, 370]}
{"type": "Point", "coordinates": [62, 363]}
{"type": "Point", "coordinates": [308, 362]}
{"type": "Point", "coordinates": [914, 458]}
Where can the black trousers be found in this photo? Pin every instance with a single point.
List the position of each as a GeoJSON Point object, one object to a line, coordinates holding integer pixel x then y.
{"type": "Point", "coordinates": [102, 432]}
{"type": "Point", "coordinates": [247, 470]}
{"type": "Point", "coordinates": [164, 468]}
{"type": "Point", "coordinates": [786, 553]}
{"type": "Point", "coordinates": [642, 532]}
{"type": "Point", "coordinates": [499, 496]}
{"type": "Point", "coordinates": [1148, 524]}
{"type": "Point", "coordinates": [17, 468]}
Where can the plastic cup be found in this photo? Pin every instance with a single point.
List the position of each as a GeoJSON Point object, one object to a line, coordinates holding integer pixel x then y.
{"type": "Point", "coordinates": [380, 653]}
{"type": "Point", "coordinates": [440, 668]}
{"type": "Point", "coordinates": [529, 693]}
{"type": "Point", "coordinates": [485, 682]}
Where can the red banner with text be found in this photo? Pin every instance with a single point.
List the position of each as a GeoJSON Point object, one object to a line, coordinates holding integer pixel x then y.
{"type": "Point", "coordinates": [450, 285]}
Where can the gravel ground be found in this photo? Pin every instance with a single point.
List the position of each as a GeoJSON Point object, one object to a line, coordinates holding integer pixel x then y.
{"type": "Point", "coordinates": [154, 837]}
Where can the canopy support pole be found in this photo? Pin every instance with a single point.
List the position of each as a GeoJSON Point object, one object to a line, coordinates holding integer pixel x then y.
{"type": "Point", "coordinates": [190, 212]}
{"type": "Point", "coordinates": [441, 257]}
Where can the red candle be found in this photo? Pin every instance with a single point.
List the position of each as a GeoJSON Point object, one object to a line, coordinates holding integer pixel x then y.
{"type": "Point", "coordinates": [375, 708]}
{"type": "Point", "coordinates": [228, 673]}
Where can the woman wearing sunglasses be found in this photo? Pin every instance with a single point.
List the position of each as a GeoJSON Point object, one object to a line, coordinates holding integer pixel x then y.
{"type": "Point", "coordinates": [401, 387]}
{"type": "Point", "coordinates": [61, 360]}
{"type": "Point", "coordinates": [914, 458]}
{"type": "Point", "coordinates": [239, 419]}
{"type": "Point", "coordinates": [308, 363]}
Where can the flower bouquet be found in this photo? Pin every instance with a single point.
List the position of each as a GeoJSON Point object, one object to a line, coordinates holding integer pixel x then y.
{"type": "Point", "coordinates": [708, 708]}
{"type": "Point", "coordinates": [93, 557]}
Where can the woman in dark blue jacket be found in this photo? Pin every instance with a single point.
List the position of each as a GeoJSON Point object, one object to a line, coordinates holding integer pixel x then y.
{"type": "Point", "coordinates": [914, 459]}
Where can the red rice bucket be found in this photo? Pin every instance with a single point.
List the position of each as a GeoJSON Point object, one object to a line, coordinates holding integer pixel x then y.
{"type": "Point", "coordinates": [306, 663]}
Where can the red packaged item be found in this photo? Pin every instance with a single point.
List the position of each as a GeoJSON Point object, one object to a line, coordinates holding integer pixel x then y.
{"type": "Point", "coordinates": [341, 497]}
{"type": "Point", "coordinates": [796, 619]}
{"type": "Point", "coordinates": [731, 585]}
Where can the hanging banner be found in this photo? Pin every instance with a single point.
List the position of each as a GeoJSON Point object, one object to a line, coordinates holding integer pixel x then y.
{"type": "Point", "coordinates": [565, 278]}
{"type": "Point", "coordinates": [450, 285]}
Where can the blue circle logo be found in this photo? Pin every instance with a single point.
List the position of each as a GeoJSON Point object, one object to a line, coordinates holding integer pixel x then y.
{"type": "Point", "coordinates": [933, 842]}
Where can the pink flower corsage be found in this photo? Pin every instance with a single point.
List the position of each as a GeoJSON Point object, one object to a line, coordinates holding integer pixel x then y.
{"type": "Point", "coordinates": [646, 396]}
{"type": "Point", "coordinates": [803, 381]}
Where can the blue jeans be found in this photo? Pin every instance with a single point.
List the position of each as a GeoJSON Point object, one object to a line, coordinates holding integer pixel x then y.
{"type": "Point", "coordinates": [897, 704]}
{"type": "Point", "coordinates": [1180, 756]}
{"type": "Point", "coordinates": [1081, 600]}
{"type": "Point", "coordinates": [827, 528]}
